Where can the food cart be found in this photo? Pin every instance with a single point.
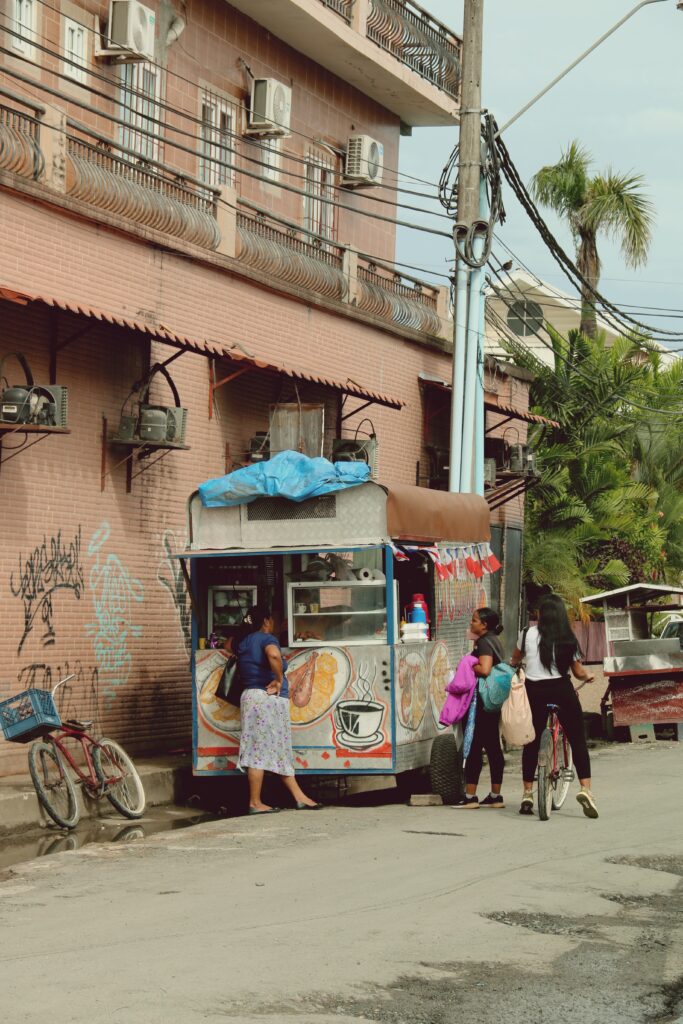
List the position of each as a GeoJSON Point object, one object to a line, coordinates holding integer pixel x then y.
{"type": "Point", "coordinates": [341, 567]}
{"type": "Point", "coordinates": [644, 673]}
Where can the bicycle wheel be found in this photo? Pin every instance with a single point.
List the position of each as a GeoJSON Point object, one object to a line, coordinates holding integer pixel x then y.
{"type": "Point", "coordinates": [54, 787]}
{"type": "Point", "coordinates": [565, 768]}
{"type": "Point", "coordinates": [545, 775]}
{"type": "Point", "coordinates": [123, 786]}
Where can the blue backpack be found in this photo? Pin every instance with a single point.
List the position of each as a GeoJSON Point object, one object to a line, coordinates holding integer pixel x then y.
{"type": "Point", "coordinates": [494, 689]}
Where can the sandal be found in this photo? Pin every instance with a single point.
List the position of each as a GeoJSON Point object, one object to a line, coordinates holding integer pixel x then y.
{"type": "Point", "coordinates": [271, 810]}
{"type": "Point", "coordinates": [309, 807]}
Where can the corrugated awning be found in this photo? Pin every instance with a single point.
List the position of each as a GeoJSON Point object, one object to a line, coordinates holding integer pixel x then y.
{"type": "Point", "coordinates": [491, 404]}
{"type": "Point", "coordinates": [212, 349]}
{"type": "Point", "coordinates": [418, 513]}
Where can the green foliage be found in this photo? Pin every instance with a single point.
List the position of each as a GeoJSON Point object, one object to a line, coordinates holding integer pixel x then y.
{"type": "Point", "coordinates": [608, 508]}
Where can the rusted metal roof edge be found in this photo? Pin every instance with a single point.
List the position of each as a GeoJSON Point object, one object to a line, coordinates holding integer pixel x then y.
{"type": "Point", "coordinates": [204, 347]}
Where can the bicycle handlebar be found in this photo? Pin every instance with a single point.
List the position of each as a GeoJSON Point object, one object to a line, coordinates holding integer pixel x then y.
{"type": "Point", "coordinates": [62, 681]}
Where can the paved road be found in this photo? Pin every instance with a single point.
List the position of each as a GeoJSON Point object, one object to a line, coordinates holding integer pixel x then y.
{"type": "Point", "coordinates": [367, 913]}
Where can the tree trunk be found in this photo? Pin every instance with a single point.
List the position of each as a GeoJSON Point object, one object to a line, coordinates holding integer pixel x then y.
{"type": "Point", "coordinates": [588, 262]}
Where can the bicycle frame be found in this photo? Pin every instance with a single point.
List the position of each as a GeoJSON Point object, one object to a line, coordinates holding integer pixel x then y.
{"type": "Point", "coordinates": [90, 780]}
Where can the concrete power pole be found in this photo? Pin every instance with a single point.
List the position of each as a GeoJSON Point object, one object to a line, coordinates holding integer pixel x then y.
{"type": "Point", "coordinates": [469, 177]}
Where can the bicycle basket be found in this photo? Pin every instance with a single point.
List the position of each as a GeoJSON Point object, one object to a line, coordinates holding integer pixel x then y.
{"type": "Point", "coordinates": [29, 714]}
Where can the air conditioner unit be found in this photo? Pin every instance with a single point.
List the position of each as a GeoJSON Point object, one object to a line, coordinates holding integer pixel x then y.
{"type": "Point", "coordinates": [271, 107]}
{"type": "Point", "coordinates": [518, 458]}
{"type": "Point", "coordinates": [162, 424]}
{"type": "Point", "coordinates": [347, 449]}
{"type": "Point", "coordinates": [490, 472]}
{"type": "Point", "coordinates": [130, 31]}
{"type": "Point", "coordinates": [364, 161]}
{"type": "Point", "coordinates": [38, 404]}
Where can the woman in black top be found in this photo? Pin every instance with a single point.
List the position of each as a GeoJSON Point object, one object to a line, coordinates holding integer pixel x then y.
{"type": "Point", "coordinates": [486, 626]}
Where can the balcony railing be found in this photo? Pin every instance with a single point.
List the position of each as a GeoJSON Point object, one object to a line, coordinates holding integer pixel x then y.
{"type": "Point", "coordinates": [20, 142]}
{"type": "Point", "coordinates": [147, 193]}
{"type": "Point", "coordinates": [276, 248]}
{"type": "Point", "coordinates": [417, 39]}
{"type": "Point", "coordinates": [396, 297]}
{"type": "Point", "coordinates": [342, 7]}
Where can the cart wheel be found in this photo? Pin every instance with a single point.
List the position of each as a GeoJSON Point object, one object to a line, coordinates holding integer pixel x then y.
{"type": "Point", "coordinates": [445, 768]}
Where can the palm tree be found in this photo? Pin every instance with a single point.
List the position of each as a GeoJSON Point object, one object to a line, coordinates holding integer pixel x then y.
{"type": "Point", "coordinates": [611, 203]}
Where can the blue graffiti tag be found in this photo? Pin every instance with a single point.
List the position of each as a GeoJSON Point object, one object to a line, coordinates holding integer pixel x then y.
{"type": "Point", "coordinates": [114, 594]}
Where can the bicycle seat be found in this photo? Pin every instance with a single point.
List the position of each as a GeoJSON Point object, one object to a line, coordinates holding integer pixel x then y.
{"type": "Point", "coordinates": [72, 723]}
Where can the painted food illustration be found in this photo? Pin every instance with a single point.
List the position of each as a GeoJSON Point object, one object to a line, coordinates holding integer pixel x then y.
{"type": "Point", "coordinates": [316, 680]}
{"type": "Point", "coordinates": [412, 687]}
{"type": "Point", "coordinates": [216, 712]}
{"type": "Point", "coordinates": [439, 675]}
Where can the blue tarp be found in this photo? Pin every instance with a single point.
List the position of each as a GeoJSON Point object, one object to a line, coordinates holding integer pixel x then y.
{"type": "Point", "coordinates": [287, 475]}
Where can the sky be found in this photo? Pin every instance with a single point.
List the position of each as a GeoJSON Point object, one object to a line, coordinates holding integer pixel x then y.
{"type": "Point", "coordinates": [625, 105]}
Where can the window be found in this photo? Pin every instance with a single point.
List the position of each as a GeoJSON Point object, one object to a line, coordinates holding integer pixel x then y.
{"type": "Point", "coordinates": [217, 161]}
{"type": "Point", "coordinates": [75, 52]}
{"type": "Point", "coordinates": [139, 98]}
{"type": "Point", "coordinates": [525, 318]}
{"type": "Point", "coordinates": [318, 214]}
{"type": "Point", "coordinates": [24, 26]}
{"type": "Point", "coordinates": [270, 155]}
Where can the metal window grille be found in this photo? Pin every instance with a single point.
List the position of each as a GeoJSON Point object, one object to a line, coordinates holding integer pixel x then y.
{"type": "Point", "coordinates": [319, 214]}
{"type": "Point", "coordinates": [217, 142]}
{"type": "Point", "coordinates": [139, 100]}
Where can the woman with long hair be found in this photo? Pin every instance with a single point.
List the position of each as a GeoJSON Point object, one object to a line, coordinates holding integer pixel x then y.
{"type": "Point", "coordinates": [550, 651]}
{"type": "Point", "coordinates": [266, 738]}
{"type": "Point", "coordinates": [485, 626]}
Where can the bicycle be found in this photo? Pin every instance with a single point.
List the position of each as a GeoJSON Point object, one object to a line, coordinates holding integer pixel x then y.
{"type": "Point", "coordinates": [108, 770]}
{"type": "Point", "coordinates": [555, 765]}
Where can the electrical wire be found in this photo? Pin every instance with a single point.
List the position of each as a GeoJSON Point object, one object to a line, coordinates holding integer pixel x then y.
{"type": "Point", "coordinates": [576, 369]}
{"type": "Point", "coordinates": [181, 78]}
{"type": "Point", "coordinates": [162, 136]}
{"type": "Point", "coordinates": [609, 309]}
{"type": "Point", "coordinates": [179, 146]}
{"type": "Point", "coordinates": [465, 235]}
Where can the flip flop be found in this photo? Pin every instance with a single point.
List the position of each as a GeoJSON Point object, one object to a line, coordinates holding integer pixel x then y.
{"type": "Point", "coordinates": [309, 807]}
{"type": "Point", "coordinates": [271, 810]}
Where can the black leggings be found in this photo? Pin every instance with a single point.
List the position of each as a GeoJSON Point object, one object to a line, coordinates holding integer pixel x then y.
{"type": "Point", "coordinates": [486, 737]}
{"type": "Point", "coordinates": [542, 692]}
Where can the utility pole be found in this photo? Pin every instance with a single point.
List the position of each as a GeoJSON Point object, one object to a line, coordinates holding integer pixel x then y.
{"type": "Point", "coordinates": [469, 177]}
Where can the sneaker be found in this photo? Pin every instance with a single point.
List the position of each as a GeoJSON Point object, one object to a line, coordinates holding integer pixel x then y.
{"type": "Point", "coordinates": [527, 805]}
{"type": "Point", "coordinates": [466, 803]}
{"type": "Point", "coordinates": [493, 800]}
{"type": "Point", "coordinates": [585, 798]}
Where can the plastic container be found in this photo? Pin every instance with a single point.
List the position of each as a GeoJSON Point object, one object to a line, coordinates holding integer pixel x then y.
{"type": "Point", "coordinates": [29, 714]}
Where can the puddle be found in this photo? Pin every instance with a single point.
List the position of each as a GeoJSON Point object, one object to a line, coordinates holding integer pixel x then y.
{"type": "Point", "coordinates": [42, 842]}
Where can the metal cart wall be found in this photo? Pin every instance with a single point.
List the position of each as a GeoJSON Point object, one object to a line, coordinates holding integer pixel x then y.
{"type": "Point", "coordinates": [361, 701]}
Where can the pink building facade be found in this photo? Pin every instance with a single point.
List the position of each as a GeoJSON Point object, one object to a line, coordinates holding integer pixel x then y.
{"type": "Point", "coordinates": [144, 222]}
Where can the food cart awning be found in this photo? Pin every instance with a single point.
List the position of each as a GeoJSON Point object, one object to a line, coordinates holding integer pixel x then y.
{"type": "Point", "coordinates": [640, 591]}
{"type": "Point", "coordinates": [420, 514]}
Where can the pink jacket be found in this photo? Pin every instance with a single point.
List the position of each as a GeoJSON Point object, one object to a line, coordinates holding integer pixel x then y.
{"type": "Point", "coordinates": [460, 690]}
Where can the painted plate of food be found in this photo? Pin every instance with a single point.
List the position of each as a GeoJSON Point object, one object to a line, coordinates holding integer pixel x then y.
{"type": "Point", "coordinates": [317, 679]}
{"type": "Point", "coordinates": [412, 688]}
{"type": "Point", "coordinates": [439, 675]}
{"type": "Point", "coordinates": [217, 714]}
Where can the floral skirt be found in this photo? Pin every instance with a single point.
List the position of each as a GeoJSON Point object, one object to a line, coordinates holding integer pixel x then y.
{"type": "Point", "coordinates": [266, 740]}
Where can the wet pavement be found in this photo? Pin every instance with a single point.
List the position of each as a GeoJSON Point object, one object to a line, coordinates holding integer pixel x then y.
{"type": "Point", "coordinates": [43, 841]}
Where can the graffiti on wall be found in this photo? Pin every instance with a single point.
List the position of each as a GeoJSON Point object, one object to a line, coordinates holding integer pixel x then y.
{"type": "Point", "coordinates": [170, 575]}
{"type": "Point", "coordinates": [114, 594]}
{"type": "Point", "coordinates": [53, 565]}
{"type": "Point", "coordinates": [76, 699]}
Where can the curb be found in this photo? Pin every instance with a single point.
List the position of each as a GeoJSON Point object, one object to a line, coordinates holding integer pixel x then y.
{"type": "Point", "coordinates": [164, 780]}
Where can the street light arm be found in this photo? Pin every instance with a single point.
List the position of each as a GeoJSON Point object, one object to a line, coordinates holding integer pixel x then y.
{"type": "Point", "coordinates": [570, 67]}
